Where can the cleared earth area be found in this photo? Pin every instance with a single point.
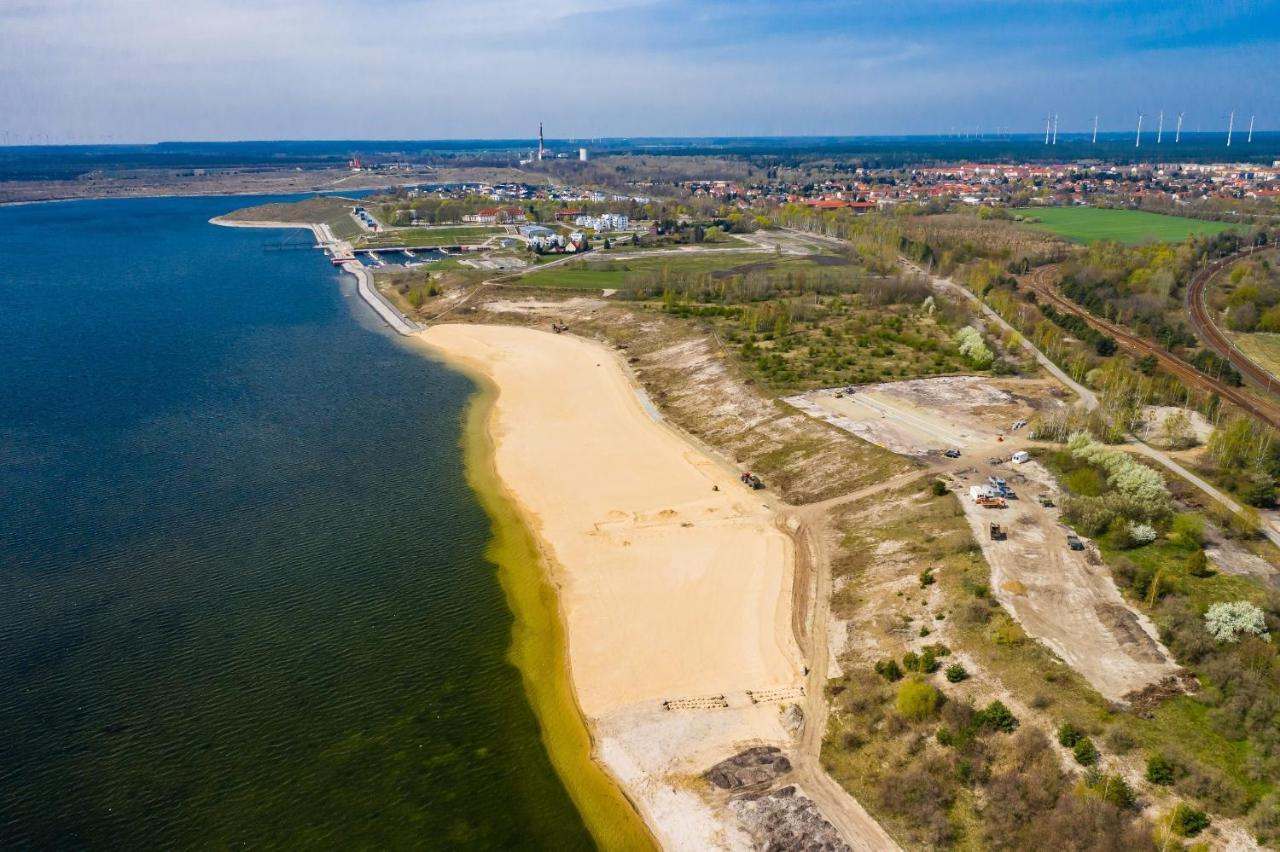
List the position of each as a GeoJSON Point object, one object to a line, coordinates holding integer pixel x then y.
{"type": "Point", "coordinates": [1062, 597]}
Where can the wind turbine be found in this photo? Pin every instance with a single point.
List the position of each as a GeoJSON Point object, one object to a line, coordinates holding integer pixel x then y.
{"type": "Point", "coordinates": [1137, 142]}
{"type": "Point", "coordinates": [1055, 128]}
{"type": "Point", "coordinates": [1048, 118]}
{"type": "Point", "coordinates": [1231, 123]}
{"type": "Point", "coordinates": [1160, 128]}
{"type": "Point", "coordinates": [1095, 129]}
{"type": "Point", "coordinates": [1178, 135]}
{"type": "Point", "coordinates": [1250, 139]}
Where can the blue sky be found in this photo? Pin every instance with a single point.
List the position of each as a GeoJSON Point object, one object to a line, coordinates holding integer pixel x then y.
{"type": "Point", "coordinates": [146, 70]}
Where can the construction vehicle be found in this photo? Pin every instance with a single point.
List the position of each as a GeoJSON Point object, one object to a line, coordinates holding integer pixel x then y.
{"type": "Point", "coordinates": [998, 533]}
{"type": "Point", "coordinates": [987, 501]}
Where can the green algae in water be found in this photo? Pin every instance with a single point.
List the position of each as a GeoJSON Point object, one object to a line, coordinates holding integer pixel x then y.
{"type": "Point", "coordinates": [538, 647]}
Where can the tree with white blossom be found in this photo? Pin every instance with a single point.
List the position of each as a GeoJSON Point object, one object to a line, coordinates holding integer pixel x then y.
{"type": "Point", "coordinates": [1226, 621]}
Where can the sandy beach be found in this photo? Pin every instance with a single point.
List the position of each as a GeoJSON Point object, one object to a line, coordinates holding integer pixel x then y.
{"type": "Point", "coordinates": [673, 581]}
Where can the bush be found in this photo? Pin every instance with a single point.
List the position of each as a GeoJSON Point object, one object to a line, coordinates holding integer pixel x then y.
{"type": "Point", "coordinates": [1069, 735]}
{"type": "Point", "coordinates": [1086, 754]}
{"type": "Point", "coordinates": [956, 673]}
{"type": "Point", "coordinates": [1186, 821]}
{"type": "Point", "coordinates": [1113, 789]}
{"type": "Point", "coordinates": [917, 700]}
{"type": "Point", "coordinates": [997, 717]}
{"type": "Point", "coordinates": [1187, 530]}
{"type": "Point", "coordinates": [1140, 534]}
{"type": "Point", "coordinates": [938, 487]}
{"type": "Point", "coordinates": [1159, 770]}
{"type": "Point", "coordinates": [1198, 564]}
{"type": "Point", "coordinates": [1226, 621]}
{"type": "Point", "coordinates": [927, 578]}
{"type": "Point", "coordinates": [888, 669]}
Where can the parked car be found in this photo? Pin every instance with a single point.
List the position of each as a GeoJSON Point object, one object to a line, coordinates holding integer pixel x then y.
{"type": "Point", "coordinates": [1074, 542]}
{"type": "Point", "coordinates": [952, 453]}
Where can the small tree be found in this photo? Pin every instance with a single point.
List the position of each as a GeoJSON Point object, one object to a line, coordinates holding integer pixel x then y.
{"type": "Point", "coordinates": [1186, 821]}
{"type": "Point", "coordinates": [1198, 564]}
{"type": "Point", "coordinates": [1159, 770]}
{"type": "Point", "coordinates": [998, 717]}
{"type": "Point", "coordinates": [1226, 621]}
{"type": "Point", "coordinates": [1086, 754]}
{"type": "Point", "coordinates": [956, 673]}
{"type": "Point", "coordinates": [1069, 735]}
{"type": "Point", "coordinates": [889, 670]}
{"type": "Point", "coordinates": [917, 700]}
{"type": "Point", "coordinates": [1178, 433]}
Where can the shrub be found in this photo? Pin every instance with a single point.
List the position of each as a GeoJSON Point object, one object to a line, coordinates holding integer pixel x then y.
{"type": "Point", "coordinates": [1141, 487]}
{"type": "Point", "coordinates": [917, 700]}
{"type": "Point", "coordinates": [969, 344]}
{"type": "Point", "coordinates": [997, 717]}
{"type": "Point", "coordinates": [1198, 564]}
{"type": "Point", "coordinates": [1186, 821]}
{"type": "Point", "coordinates": [1069, 735]}
{"type": "Point", "coordinates": [938, 487]}
{"type": "Point", "coordinates": [956, 673]}
{"type": "Point", "coordinates": [1226, 621]}
{"type": "Point", "coordinates": [1113, 789]}
{"type": "Point", "coordinates": [1119, 741]}
{"type": "Point", "coordinates": [1188, 530]}
{"type": "Point", "coordinates": [1086, 754]}
{"type": "Point", "coordinates": [888, 669]}
{"type": "Point", "coordinates": [1265, 820]}
{"type": "Point", "coordinates": [1140, 534]}
{"type": "Point", "coordinates": [927, 578]}
{"type": "Point", "coordinates": [1159, 770]}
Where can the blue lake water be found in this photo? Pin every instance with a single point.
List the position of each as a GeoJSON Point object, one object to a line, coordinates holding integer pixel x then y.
{"type": "Point", "coordinates": [243, 599]}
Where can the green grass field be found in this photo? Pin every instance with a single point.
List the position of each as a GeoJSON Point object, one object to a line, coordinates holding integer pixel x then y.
{"type": "Point", "coordinates": [613, 274]}
{"type": "Point", "coordinates": [1261, 348]}
{"type": "Point", "coordinates": [1091, 224]}
{"type": "Point", "coordinates": [431, 236]}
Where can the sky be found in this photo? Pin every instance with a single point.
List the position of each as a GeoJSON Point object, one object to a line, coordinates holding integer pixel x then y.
{"type": "Point", "coordinates": [97, 71]}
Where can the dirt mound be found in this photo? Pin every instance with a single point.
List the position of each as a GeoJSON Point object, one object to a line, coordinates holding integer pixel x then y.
{"type": "Point", "coordinates": [786, 820]}
{"type": "Point", "coordinates": [754, 767]}
{"type": "Point", "coordinates": [1143, 702]}
{"type": "Point", "coordinates": [1128, 632]}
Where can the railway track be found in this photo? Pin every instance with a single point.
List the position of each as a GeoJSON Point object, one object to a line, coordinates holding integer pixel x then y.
{"type": "Point", "coordinates": [1202, 322]}
{"type": "Point", "coordinates": [1043, 282]}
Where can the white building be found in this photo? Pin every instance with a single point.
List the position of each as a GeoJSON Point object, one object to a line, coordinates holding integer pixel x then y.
{"type": "Point", "coordinates": [582, 155]}
{"type": "Point", "coordinates": [604, 222]}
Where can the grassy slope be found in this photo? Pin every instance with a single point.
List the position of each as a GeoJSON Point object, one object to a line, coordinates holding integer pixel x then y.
{"type": "Point", "coordinates": [612, 274]}
{"type": "Point", "coordinates": [431, 236]}
{"type": "Point", "coordinates": [1090, 224]}
{"type": "Point", "coordinates": [330, 210]}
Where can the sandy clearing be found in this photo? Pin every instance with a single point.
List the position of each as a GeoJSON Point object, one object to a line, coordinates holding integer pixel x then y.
{"type": "Point", "coordinates": [1058, 595]}
{"type": "Point", "coordinates": [921, 416]}
{"type": "Point", "coordinates": [669, 588]}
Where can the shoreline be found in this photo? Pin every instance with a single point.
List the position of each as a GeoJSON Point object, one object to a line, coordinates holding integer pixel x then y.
{"type": "Point", "coordinates": [539, 647]}
{"type": "Point", "coordinates": [680, 595]}
{"type": "Point", "coordinates": [325, 240]}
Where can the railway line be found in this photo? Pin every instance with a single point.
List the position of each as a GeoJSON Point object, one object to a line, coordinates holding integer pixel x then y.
{"type": "Point", "coordinates": [1043, 282]}
{"type": "Point", "coordinates": [1202, 322]}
